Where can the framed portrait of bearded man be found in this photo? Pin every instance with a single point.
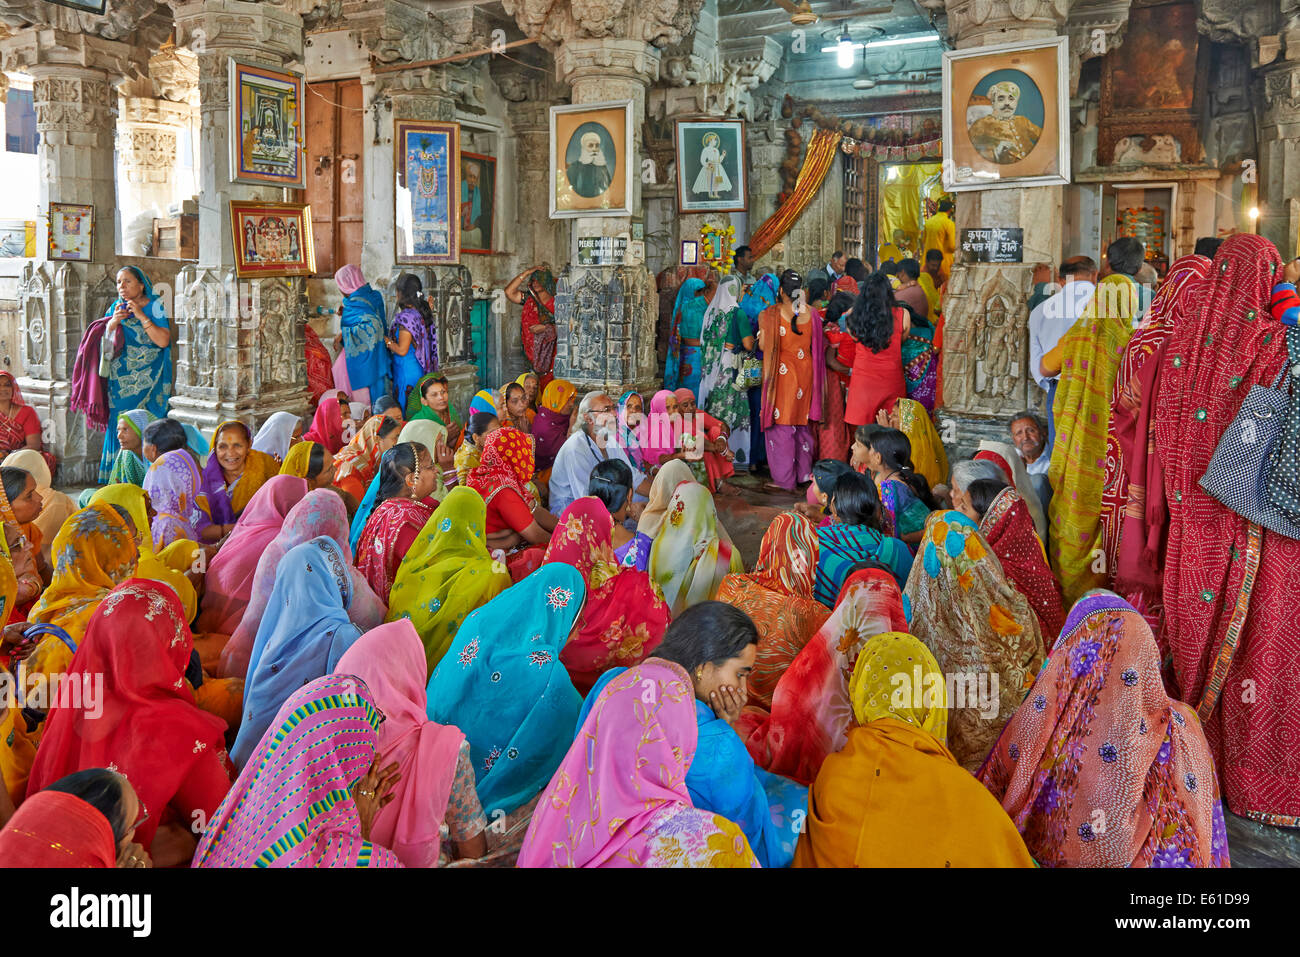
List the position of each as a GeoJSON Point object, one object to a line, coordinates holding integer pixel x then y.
{"type": "Point", "coordinates": [591, 160]}
{"type": "Point", "coordinates": [1006, 116]}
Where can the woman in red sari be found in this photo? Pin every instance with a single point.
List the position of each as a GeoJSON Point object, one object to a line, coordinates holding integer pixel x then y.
{"type": "Point", "coordinates": [1230, 588]}
{"type": "Point", "coordinates": [623, 619]}
{"type": "Point", "coordinates": [406, 480]}
{"type": "Point", "coordinates": [320, 371]}
{"type": "Point", "coordinates": [1131, 467]}
{"type": "Point", "coordinates": [19, 426]}
{"type": "Point", "coordinates": [537, 323]}
{"type": "Point", "coordinates": [1007, 527]}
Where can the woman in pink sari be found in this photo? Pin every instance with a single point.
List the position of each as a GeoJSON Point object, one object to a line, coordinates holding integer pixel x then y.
{"type": "Point", "coordinates": [229, 579]}
{"type": "Point", "coordinates": [623, 619]}
{"type": "Point", "coordinates": [321, 512]}
{"type": "Point", "coordinates": [811, 711]}
{"type": "Point", "coordinates": [619, 798]}
{"type": "Point", "coordinates": [1132, 468]}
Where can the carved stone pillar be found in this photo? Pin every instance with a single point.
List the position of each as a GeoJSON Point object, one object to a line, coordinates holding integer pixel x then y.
{"type": "Point", "coordinates": [241, 349]}
{"type": "Point", "coordinates": [1279, 150]}
{"type": "Point", "coordinates": [147, 128]}
{"type": "Point", "coordinates": [986, 341]}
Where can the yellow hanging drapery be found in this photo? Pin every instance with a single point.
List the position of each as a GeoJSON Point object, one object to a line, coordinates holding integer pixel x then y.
{"type": "Point", "coordinates": [816, 164]}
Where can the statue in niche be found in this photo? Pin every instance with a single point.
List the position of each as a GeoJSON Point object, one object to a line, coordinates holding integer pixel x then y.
{"type": "Point", "coordinates": [995, 344]}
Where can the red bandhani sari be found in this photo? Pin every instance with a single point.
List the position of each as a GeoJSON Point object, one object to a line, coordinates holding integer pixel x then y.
{"type": "Point", "coordinates": [1131, 466]}
{"type": "Point", "coordinates": [389, 533]}
{"type": "Point", "coordinates": [539, 347]}
{"type": "Point", "coordinates": [320, 374]}
{"type": "Point", "coordinates": [811, 711]}
{"type": "Point", "coordinates": [1231, 589]}
{"type": "Point", "coordinates": [507, 462]}
{"type": "Point", "coordinates": [1009, 531]}
{"type": "Point", "coordinates": [623, 619]}
{"type": "Point", "coordinates": [778, 596]}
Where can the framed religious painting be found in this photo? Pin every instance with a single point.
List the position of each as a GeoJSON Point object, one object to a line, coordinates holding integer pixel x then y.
{"type": "Point", "coordinates": [272, 239]}
{"type": "Point", "coordinates": [711, 166]}
{"type": "Point", "coordinates": [1005, 116]}
{"type": "Point", "coordinates": [95, 7]}
{"type": "Point", "coordinates": [428, 194]}
{"type": "Point", "coordinates": [591, 159]}
{"type": "Point", "coordinates": [266, 126]}
{"type": "Point", "coordinates": [478, 194]}
{"type": "Point", "coordinates": [72, 232]}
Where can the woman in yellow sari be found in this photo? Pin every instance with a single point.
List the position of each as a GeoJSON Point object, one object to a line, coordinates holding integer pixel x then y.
{"type": "Point", "coordinates": [895, 796]}
{"type": "Point", "coordinates": [1088, 359]}
{"type": "Point", "coordinates": [447, 573]}
{"type": "Point", "coordinates": [929, 457]}
{"type": "Point", "coordinates": [692, 553]}
{"type": "Point", "coordinates": [17, 750]}
{"type": "Point", "coordinates": [94, 552]}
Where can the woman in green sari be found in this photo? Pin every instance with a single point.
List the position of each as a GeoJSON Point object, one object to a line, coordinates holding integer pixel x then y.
{"type": "Point", "coordinates": [431, 399]}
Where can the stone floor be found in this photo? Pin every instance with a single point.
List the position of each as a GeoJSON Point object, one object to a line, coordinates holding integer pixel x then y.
{"type": "Point", "coordinates": [1250, 844]}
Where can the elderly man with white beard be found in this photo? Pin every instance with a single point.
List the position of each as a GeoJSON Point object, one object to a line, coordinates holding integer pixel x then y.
{"type": "Point", "coordinates": [594, 441]}
{"type": "Point", "coordinates": [589, 174]}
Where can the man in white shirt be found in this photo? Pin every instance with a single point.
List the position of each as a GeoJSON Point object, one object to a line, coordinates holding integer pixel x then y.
{"type": "Point", "coordinates": [1051, 320]}
{"type": "Point", "coordinates": [595, 441]}
{"type": "Point", "coordinates": [1029, 436]}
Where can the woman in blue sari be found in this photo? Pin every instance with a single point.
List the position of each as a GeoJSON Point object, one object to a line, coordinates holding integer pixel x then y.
{"type": "Point", "coordinates": [413, 340]}
{"type": "Point", "coordinates": [361, 332]}
{"type": "Point", "coordinates": [682, 370]}
{"type": "Point", "coordinates": [716, 644]}
{"type": "Point", "coordinates": [303, 634]}
{"type": "Point", "coordinates": [501, 682]}
{"type": "Point", "coordinates": [140, 376]}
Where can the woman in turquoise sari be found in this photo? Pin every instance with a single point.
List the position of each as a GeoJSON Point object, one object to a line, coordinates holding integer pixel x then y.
{"type": "Point", "coordinates": [683, 368]}
{"type": "Point", "coordinates": [921, 362]}
{"type": "Point", "coordinates": [716, 644]}
{"type": "Point", "coordinates": [502, 683]}
{"type": "Point", "coordinates": [361, 333]}
{"type": "Point", "coordinates": [140, 375]}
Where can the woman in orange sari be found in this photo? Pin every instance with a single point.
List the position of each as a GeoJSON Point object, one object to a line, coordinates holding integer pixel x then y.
{"type": "Point", "coordinates": [778, 596]}
{"type": "Point", "coordinates": [358, 462]}
{"type": "Point", "coordinates": [794, 370]}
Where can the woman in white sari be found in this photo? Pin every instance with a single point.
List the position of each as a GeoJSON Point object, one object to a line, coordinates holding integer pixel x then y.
{"type": "Point", "coordinates": [726, 331]}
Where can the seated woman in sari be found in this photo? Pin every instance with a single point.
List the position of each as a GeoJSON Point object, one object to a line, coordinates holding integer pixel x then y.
{"type": "Point", "coordinates": [20, 428]}
{"type": "Point", "coordinates": [778, 596]}
{"type": "Point", "coordinates": [413, 339]}
{"type": "Point", "coordinates": [631, 412]}
{"type": "Point", "coordinates": [172, 484]}
{"type": "Point", "coordinates": [610, 805]}
{"type": "Point", "coordinates": [320, 514]}
{"type": "Point", "coordinates": [447, 573]}
{"type": "Point", "coordinates": [1005, 524]}
{"type": "Point", "coordinates": [278, 435]}
{"type": "Point", "coordinates": [1098, 735]}
{"type": "Point", "coordinates": [856, 534]}
{"type": "Point", "coordinates": [512, 404]}
{"type": "Point", "coordinates": [402, 507]}
{"type": "Point", "coordinates": [435, 775]}
{"type": "Point", "coordinates": [132, 343]}
{"type": "Point", "coordinates": [894, 796]}
{"type": "Point", "coordinates": [516, 521]}
{"type": "Point", "coordinates": [810, 715]}
{"type": "Point", "coordinates": [692, 553]}
{"type": "Point", "coordinates": [55, 505]}
{"type": "Point", "coordinates": [330, 422]}
{"type": "Point", "coordinates": [611, 482]}
{"type": "Point", "coordinates": [1012, 467]}
{"type": "Point", "coordinates": [554, 421]}
{"type": "Point", "coordinates": [715, 643]}
{"type": "Point", "coordinates": [683, 368]}
{"type": "Point", "coordinates": [303, 633]}
{"type": "Point", "coordinates": [816, 507]}
{"type": "Point", "coordinates": [85, 819]}
{"type": "Point", "coordinates": [470, 454]}
{"type": "Point", "coordinates": [362, 322]}
{"type": "Point", "coordinates": [532, 384]}
{"type": "Point", "coordinates": [708, 441]}
{"type": "Point", "coordinates": [229, 578]}
{"type": "Point", "coordinates": [94, 552]}
{"type": "Point", "coordinates": [431, 399]}
{"type": "Point", "coordinates": [886, 455]}
{"type": "Point", "coordinates": [673, 473]}
{"type": "Point", "coordinates": [502, 683]}
{"type": "Point", "coordinates": [233, 475]}
{"type": "Point", "coordinates": [130, 464]}
{"type": "Point", "coordinates": [975, 623]}
{"type": "Point", "coordinates": [660, 438]}
{"type": "Point", "coordinates": [20, 506]}
{"type": "Point", "coordinates": [311, 462]}
{"type": "Point", "coordinates": [310, 794]}
{"type": "Point", "coordinates": [358, 462]}
{"type": "Point", "coordinates": [929, 457]}
{"type": "Point", "coordinates": [137, 641]}
{"type": "Point", "coordinates": [623, 619]}
{"type": "Point", "coordinates": [433, 437]}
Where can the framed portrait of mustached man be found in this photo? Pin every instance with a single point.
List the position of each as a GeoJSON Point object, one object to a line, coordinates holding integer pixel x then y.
{"type": "Point", "coordinates": [591, 160]}
{"type": "Point", "coordinates": [1005, 116]}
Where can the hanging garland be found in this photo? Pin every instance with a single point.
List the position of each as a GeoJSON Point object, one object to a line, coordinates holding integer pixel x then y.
{"type": "Point", "coordinates": [719, 256]}
{"type": "Point", "coordinates": [860, 139]}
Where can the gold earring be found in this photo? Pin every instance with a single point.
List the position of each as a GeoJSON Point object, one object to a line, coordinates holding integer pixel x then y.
{"type": "Point", "coordinates": [699, 672]}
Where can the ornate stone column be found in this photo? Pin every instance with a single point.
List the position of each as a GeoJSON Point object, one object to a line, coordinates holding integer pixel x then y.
{"type": "Point", "coordinates": [241, 349]}
{"type": "Point", "coordinates": [146, 142]}
{"type": "Point", "coordinates": [76, 114]}
{"type": "Point", "coordinates": [1278, 105]}
{"type": "Point", "coordinates": [986, 342]}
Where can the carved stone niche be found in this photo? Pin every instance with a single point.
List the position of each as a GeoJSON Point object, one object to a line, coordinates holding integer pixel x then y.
{"type": "Point", "coordinates": [451, 297]}
{"type": "Point", "coordinates": [605, 327]}
{"type": "Point", "coordinates": [986, 341]}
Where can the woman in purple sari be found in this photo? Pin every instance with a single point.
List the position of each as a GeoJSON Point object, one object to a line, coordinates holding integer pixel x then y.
{"type": "Point", "coordinates": [551, 424]}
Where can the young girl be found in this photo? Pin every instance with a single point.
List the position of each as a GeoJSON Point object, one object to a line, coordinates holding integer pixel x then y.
{"type": "Point", "coordinates": [611, 482]}
{"type": "Point", "coordinates": [905, 494]}
{"type": "Point", "coordinates": [825, 474]}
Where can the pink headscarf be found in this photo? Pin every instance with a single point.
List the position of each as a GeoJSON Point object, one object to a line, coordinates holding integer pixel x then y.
{"type": "Point", "coordinates": [391, 661]}
{"type": "Point", "coordinates": [229, 580]}
{"type": "Point", "coordinates": [626, 769]}
{"type": "Point", "coordinates": [683, 395]}
{"type": "Point", "coordinates": [655, 429]}
{"type": "Point", "coordinates": [321, 512]}
{"type": "Point", "coordinates": [349, 279]}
